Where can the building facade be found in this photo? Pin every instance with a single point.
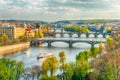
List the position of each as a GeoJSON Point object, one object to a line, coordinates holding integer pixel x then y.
{"type": "Point", "coordinates": [12, 32]}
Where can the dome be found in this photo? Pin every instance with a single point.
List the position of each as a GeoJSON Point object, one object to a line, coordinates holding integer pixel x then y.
{"type": "Point", "coordinates": [24, 24]}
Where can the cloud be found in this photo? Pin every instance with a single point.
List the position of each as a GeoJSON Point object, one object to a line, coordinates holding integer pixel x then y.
{"type": "Point", "coordinates": [51, 10]}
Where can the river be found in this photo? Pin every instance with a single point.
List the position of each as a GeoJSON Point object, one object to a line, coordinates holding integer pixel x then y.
{"type": "Point", "coordinates": [31, 58]}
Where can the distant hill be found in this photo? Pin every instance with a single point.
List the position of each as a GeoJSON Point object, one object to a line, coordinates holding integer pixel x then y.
{"type": "Point", "coordinates": [78, 22]}
{"type": "Point", "coordinates": [64, 22]}
{"type": "Point", "coordinates": [32, 21]}
{"type": "Point", "coordinates": [68, 22]}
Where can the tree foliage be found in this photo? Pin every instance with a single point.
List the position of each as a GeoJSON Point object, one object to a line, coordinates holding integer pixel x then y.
{"type": "Point", "coordinates": [24, 38]}
{"type": "Point", "coordinates": [107, 66]}
{"type": "Point", "coordinates": [50, 64]}
{"type": "Point", "coordinates": [77, 29]}
{"type": "Point", "coordinates": [101, 48]}
{"type": "Point", "coordinates": [10, 69]}
{"type": "Point", "coordinates": [4, 72]}
{"type": "Point", "coordinates": [4, 39]}
{"type": "Point", "coordinates": [62, 60]}
{"type": "Point", "coordinates": [94, 51]}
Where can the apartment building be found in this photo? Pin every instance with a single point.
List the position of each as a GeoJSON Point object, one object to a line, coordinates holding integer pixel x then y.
{"type": "Point", "coordinates": [11, 31]}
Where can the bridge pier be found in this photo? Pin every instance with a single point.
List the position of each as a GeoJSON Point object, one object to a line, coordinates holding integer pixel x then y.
{"type": "Point", "coordinates": [62, 30]}
{"type": "Point", "coordinates": [92, 45]}
{"type": "Point", "coordinates": [104, 35]}
{"type": "Point", "coordinates": [70, 44]}
{"type": "Point", "coordinates": [54, 35]}
{"type": "Point", "coordinates": [96, 36]}
{"type": "Point", "coordinates": [49, 44]}
{"type": "Point", "coordinates": [54, 30]}
{"type": "Point", "coordinates": [62, 35]}
{"type": "Point", "coordinates": [79, 35]}
{"type": "Point", "coordinates": [69, 41]}
{"type": "Point", "coordinates": [31, 43]}
{"type": "Point", "coordinates": [87, 35]}
{"type": "Point", "coordinates": [70, 35]}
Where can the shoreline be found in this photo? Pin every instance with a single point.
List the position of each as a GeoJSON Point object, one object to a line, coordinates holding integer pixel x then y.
{"type": "Point", "coordinates": [10, 49]}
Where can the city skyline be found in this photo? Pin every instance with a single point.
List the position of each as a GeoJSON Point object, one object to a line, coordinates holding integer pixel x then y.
{"type": "Point", "coordinates": [55, 10]}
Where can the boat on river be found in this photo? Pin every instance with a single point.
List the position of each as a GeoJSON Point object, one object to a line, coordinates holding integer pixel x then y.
{"type": "Point", "coordinates": [43, 56]}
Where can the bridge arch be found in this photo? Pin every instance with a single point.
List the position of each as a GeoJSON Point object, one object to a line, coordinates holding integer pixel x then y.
{"type": "Point", "coordinates": [69, 42]}
{"type": "Point", "coordinates": [91, 35]}
{"type": "Point", "coordinates": [75, 35]}
{"type": "Point", "coordinates": [66, 35]}
{"type": "Point", "coordinates": [83, 35]}
{"type": "Point", "coordinates": [56, 43]}
{"type": "Point", "coordinates": [57, 35]}
{"type": "Point", "coordinates": [80, 44]}
{"type": "Point", "coordinates": [100, 35]}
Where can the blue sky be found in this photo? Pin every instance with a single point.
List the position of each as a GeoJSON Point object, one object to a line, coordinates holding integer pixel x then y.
{"type": "Point", "coordinates": [54, 10]}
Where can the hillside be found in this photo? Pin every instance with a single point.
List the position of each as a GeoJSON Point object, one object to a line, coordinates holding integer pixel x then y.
{"type": "Point", "coordinates": [108, 65]}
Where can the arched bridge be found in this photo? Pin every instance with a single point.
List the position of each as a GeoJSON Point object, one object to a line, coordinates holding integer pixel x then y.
{"type": "Point", "coordinates": [77, 33]}
{"type": "Point", "coordinates": [70, 42]}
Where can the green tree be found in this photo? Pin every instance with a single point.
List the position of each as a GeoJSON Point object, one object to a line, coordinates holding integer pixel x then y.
{"type": "Point", "coordinates": [82, 66]}
{"type": "Point", "coordinates": [108, 74]}
{"type": "Point", "coordinates": [45, 67]}
{"type": "Point", "coordinates": [94, 51]}
{"type": "Point", "coordinates": [62, 61]}
{"type": "Point", "coordinates": [15, 69]}
{"type": "Point", "coordinates": [69, 70]}
{"type": "Point", "coordinates": [76, 29]}
{"type": "Point", "coordinates": [101, 48]}
{"type": "Point", "coordinates": [5, 39]}
{"type": "Point", "coordinates": [4, 72]}
{"type": "Point", "coordinates": [24, 38]}
{"type": "Point", "coordinates": [109, 44]}
{"type": "Point", "coordinates": [51, 64]}
{"type": "Point", "coordinates": [36, 34]}
{"type": "Point", "coordinates": [19, 70]}
{"type": "Point", "coordinates": [0, 41]}
{"type": "Point", "coordinates": [40, 34]}
{"type": "Point", "coordinates": [83, 55]}
{"type": "Point", "coordinates": [81, 70]}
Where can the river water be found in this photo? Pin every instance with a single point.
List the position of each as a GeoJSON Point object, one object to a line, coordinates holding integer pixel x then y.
{"type": "Point", "coordinates": [31, 58]}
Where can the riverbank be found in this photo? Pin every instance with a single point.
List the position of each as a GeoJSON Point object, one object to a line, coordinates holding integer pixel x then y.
{"type": "Point", "coordinates": [4, 50]}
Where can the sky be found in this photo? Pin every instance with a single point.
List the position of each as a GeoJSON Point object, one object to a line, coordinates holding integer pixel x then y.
{"type": "Point", "coordinates": [55, 10]}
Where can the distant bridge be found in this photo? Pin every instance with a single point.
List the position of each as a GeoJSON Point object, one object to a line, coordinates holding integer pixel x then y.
{"type": "Point", "coordinates": [77, 33]}
{"type": "Point", "coordinates": [69, 41]}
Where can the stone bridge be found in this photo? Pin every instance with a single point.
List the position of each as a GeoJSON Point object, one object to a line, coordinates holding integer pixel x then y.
{"type": "Point", "coordinates": [104, 35]}
{"type": "Point", "coordinates": [70, 42]}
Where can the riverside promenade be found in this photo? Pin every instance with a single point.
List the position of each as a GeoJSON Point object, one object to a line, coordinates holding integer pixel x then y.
{"type": "Point", "coordinates": [4, 50]}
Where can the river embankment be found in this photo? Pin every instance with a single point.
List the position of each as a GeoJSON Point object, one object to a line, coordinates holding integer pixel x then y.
{"type": "Point", "coordinates": [9, 49]}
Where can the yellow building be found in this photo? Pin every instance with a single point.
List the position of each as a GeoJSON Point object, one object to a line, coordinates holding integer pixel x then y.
{"type": "Point", "coordinates": [12, 32]}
